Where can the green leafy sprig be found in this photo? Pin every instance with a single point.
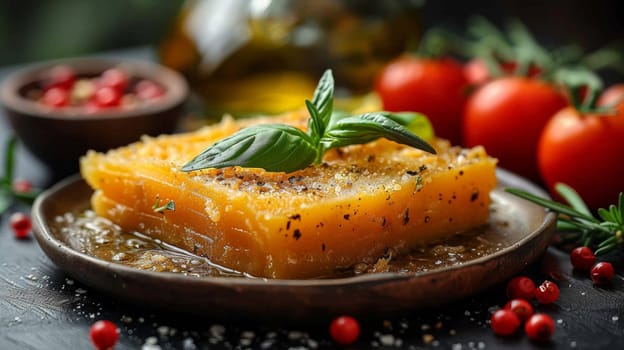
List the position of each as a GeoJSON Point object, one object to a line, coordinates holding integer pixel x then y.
{"type": "Point", "coordinates": [8, 194]}
{"type": "Point", "coordinates": [576, 221]}
{"type": "Point", "coordinates": [284, 148]}
{"type": "Point", "coordinates": [161, 208]}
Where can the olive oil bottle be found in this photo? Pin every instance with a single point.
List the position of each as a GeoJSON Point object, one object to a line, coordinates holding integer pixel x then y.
{"type": "Point", "coordinates": [247, 57]}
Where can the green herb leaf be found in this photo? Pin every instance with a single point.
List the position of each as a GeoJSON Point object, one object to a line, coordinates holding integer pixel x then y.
{"type": "Point", "coordinates": [158, 208]}
{"type": "Point", "coordinates": [9, 160]}
{"type": "Point", "coordinates": [546, 203]}
{"type": "Point", "coordinates": [5, 200]}
{"type": "Point", "coordinates": [572, 197]}
{"type": "Point", "coordinates": [577, 220]}
{"type": "Point", "coordinates": [323, 101]}
{"type": "Point", "coordinates": [368, 127]}
{"type": "Point", "coordinates": [416, 123]}
{"type": "Point", "coordinates": [283, 148]}
{"type": "Point", "coordinates": [7, 193]}
{"type": "Point", "coordinates": [273, 147]}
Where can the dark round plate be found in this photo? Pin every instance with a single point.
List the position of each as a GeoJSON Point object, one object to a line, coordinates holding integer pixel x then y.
{"type": "Point", "coordinates": [362, 295]}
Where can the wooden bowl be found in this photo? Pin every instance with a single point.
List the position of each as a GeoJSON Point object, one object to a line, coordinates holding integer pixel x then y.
{"type": "Point", "coordinates": [60, 136]}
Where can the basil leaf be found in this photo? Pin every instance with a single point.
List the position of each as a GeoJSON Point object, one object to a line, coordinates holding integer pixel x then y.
{"type": "Point", "coordinates": [273, 147]}
{"type": "Point", "coordinates": [367, 127]}
{"type": "Point", "coordinates": [416, 123]}
{"type": "Point", "coordinates": [323, 100]}
{"type": "Point", "coordinates": [316, 129]}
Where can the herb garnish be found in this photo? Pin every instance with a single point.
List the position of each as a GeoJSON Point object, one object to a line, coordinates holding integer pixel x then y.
{"type": "Point", "coordinates": [284, 148]}
{"type": "Point", "coordinates": [7, 191]}
{"type": "Point", "coordinates": [577, 222]}
{"type": "Point", "coordinates": [158, 208]}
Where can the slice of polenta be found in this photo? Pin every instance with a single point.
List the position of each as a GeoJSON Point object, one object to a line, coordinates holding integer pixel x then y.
{"type": "Point", "coordinates": [362, 202]}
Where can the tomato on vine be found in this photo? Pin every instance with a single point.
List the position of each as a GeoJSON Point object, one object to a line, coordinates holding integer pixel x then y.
{"type": "Point", "coordinates": [507, 116]}
{"type": "Point", "coordinates": [435, 87]}
{"type": "Point", "coordinates": [584, 149]}
{"type": "Point", "coordinates": [478, 73]}
{"type": "Point", "coordinates": [612, 97]}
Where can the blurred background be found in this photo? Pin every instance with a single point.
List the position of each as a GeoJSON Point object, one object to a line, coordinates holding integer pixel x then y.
{"type": "Point", "coordinates": [33, 30]}
{"type": "Point", "coordinates": [249, 56]}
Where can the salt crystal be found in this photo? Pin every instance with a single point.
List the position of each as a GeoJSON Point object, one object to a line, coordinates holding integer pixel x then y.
{"type": "Point", "coordinates": [294, 335]}
{"type": "Point", "coordinates": [267, 344]}
{"type": "Point", "coordinates": [162, 331]}
{"type": "Point", "coordinates": [386, 339]}
{"type": "Point", "coordinates": [188, 344]}
{"type": "Point", "coordinates": [248, 335]}
{"type": "Point", "coordinates": [271, 335]}
{"type": "Point", "coordinates": [217, 331]}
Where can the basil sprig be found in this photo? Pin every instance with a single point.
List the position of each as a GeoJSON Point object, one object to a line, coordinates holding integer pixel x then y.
{"type": "Point", "coordinates": [284, 148]}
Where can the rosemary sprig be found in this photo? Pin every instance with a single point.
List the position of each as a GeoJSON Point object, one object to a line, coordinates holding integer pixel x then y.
{"type": "Point", "coordinates": [603, 233]}
{"type": "Point", "coordinates": [8, 193]}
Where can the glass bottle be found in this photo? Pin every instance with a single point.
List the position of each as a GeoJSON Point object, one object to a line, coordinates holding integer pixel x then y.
{"type": "Point", "coordinates": [247, 57]}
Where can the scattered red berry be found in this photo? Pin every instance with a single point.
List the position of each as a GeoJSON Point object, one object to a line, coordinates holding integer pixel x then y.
{"type": "Point", "coordinates": [114, 78]}
{"type": "Point", "coordinates": [104, 334]}
{"type": "Point", "coordinates": [20, 223]}
{"type": "Point", "coordinates": [602, 273]}
{"type": "Point", "coordinates": [582, 258]}
{"type": "Point", "coordinates": [344, 330]}
{"type": "Point", "coordinates": [61, 76]}
{"type": "Point", "coordinates": [505, 322]}
{"type": "Point", "coordinates": [520, 287]}
{"type": "Point", "coordinates": [55, 97]}
{"type": "Point", "coordinates": [148, 90]}
{"type": "Point", "coordinates": [540, 327]}
{"type": "Point", "coordinates": [106, 97]}
{"type": "Point", "coordinates": [22, 186]}
{"type": "Point", "coordinates": [547, 293]}
{"type": "Point", "coordinates": [521, 308]}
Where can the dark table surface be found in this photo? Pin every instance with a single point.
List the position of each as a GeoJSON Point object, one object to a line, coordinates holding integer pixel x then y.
{"type": "Point", "coordinates": [43, 308]}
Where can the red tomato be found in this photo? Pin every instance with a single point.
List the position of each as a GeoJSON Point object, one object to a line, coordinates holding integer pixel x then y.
{"type": "Point", "coordinates": [477, 72]}
{"type": "Point", "coordinates": [507, 116]}
{"type": "Point", "coordinates": [434, 87]}
{"type": "Point", "coordinates": [613, 96]}
{"type": "Point", "coordinates": [586, 153]}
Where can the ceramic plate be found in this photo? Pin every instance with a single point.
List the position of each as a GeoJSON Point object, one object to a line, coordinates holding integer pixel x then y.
{"type": "Point", "coordinates": [380, 293]}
